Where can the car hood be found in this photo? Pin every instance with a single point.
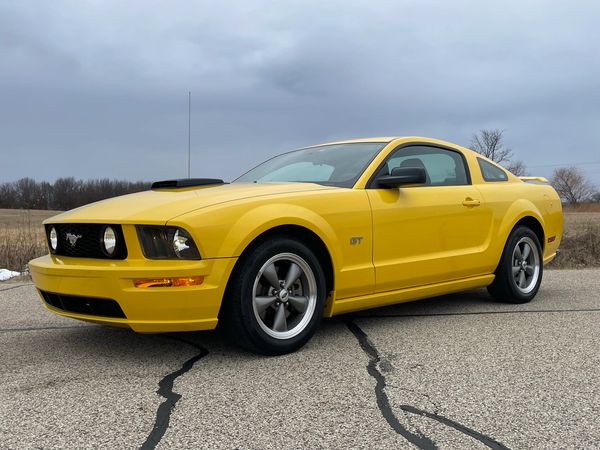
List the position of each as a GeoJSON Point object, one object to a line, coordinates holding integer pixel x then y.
{"type": "Point", "coordinates": [161, 205]}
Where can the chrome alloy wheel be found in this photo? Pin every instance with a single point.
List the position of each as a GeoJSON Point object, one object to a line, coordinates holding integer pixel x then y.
{"type": "Point", "coordinates": [525, 265]}
{"type": "Point", "coordinates": [284, 296]}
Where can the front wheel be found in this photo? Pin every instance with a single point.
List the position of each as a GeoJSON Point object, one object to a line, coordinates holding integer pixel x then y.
{"type": "Point", "coordinates": [276, 297]}
{"type": "Point", "coordinates": [519, 273]}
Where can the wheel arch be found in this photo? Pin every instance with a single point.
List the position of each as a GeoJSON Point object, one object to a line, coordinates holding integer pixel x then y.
{"type": "Point", "coordinates": [294, 231]}
{"type": "Point", "coordinates": [531, 221]}
{"type": "Point", "coordinates": [534, 225]}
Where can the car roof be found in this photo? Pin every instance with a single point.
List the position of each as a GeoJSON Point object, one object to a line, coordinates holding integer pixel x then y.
{"type": "Point", "coordinates": [384, 139]}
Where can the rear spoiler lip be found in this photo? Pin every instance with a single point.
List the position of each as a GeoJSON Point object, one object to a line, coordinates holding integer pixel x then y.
{"type": "Point", "coordinates": [185, 182]}
{"type": "Point", "coordinates": [540, 180]}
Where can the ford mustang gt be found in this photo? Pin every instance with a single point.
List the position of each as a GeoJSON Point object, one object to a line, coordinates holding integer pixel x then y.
{"type": "Point", "coordinates": [312, 233]}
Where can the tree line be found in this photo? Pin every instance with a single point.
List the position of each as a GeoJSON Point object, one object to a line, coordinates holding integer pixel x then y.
{"type": "Point", "coordinates": [64, 193]}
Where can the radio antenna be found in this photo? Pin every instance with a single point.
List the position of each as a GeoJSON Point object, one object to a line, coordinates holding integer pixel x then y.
{"type": "Point", "coordinates": [189, 133]}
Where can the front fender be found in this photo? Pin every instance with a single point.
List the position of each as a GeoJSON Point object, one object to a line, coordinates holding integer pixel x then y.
{"type": "Point", "coordinates": [225, 231]}
{"type": "Point", "coordinates": [265, 217]}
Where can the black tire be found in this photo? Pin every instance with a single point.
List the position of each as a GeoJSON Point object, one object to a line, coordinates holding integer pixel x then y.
{"type": "Point", "coordinates": [240, 318]}
{"type": "Point", "coordinates": [508, 286]}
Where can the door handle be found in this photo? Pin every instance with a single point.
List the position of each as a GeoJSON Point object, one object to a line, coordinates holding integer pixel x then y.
{"type": "Point", "coordinates": [470, 202]}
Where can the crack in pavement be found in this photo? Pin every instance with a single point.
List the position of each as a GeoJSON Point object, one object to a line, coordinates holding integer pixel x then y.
{"type": "Point", "coordinates": [383, 402]}
{"type": "Point", "coordinates": [485, 440]}
{"type": "Point", "coordinates": [165, 389]}
{"type": "Point", "coordinates": [15, 287]}
{"type": "Point", "coordinates": [436, 407]}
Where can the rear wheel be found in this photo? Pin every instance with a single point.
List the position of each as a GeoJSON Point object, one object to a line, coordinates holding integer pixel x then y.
{"type": "Point", "coordinates": [519, 274]}
{"type": "Point", "coordinates": [276, 297]}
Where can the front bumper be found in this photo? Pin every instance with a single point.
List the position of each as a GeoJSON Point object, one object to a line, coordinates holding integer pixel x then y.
{"type": "Point", "coordinates": [147, 310]}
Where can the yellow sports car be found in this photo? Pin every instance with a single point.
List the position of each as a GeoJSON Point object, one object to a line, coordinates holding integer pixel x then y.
{"type": "Point", "coordinates": [312, 233]}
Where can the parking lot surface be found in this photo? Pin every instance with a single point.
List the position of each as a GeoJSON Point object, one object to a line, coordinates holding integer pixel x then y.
{"type": "Point", "coordinates": [457, 371]}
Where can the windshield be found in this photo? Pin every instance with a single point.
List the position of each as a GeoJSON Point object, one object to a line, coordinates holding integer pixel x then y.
{"type": "Point", "coordinates": [332, 165]}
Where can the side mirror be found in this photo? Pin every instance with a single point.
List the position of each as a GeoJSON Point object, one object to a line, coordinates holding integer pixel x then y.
{"type": "Point", "coordinates": [403, 175]}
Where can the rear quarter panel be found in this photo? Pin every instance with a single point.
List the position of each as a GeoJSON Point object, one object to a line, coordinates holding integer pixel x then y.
{"type": "Point", "coordinates": [512, 201]}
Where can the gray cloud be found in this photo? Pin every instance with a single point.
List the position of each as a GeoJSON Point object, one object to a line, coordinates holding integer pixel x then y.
{"type": "Point", "coordinates": [99, 89]}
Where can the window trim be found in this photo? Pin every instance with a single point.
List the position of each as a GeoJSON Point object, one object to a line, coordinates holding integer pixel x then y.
{"type": "Point", "coordinates": [481, 160]}
{"type": "Point", "coordinates": [371, 184]}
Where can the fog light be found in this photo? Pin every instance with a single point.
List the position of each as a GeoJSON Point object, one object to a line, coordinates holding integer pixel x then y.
{"type": "Point", "coordinates": [53, 239]}
{"type": "Point", "coordinates": [109, 241]}
{"type": "Point", "coordinates": [168, 282]}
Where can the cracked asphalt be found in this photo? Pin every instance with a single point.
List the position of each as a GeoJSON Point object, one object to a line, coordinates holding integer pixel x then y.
{"type": "Point", "coordinates": [457, 371]}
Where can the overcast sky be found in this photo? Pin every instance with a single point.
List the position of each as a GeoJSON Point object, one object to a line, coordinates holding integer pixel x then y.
{"type": "Point", "coordinates": [99, 88]}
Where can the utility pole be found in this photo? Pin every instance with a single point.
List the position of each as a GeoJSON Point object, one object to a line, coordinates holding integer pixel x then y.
{"type": "Point", "coordinates": [189, 133]}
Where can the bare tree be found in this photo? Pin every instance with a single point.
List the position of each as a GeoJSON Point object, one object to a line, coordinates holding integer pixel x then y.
{"type": "Point", "coordinates": [517, 168]}
{"type": "Point", "coordinates": [572, 185]}
{"type": "Point", "coordinates": [8, 196]}
{"type": "Point", "coordinates": [490, 144]}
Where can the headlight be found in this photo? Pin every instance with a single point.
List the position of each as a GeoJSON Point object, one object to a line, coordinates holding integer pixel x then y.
{"type": "Point", "coordinates": [53, 239]}
{"type": "Point", "coordinates": [179, 243]}
{"type": "Point", "coordinates": [109, 241]}
{"type": "Point", "coordinates": [166, 243]}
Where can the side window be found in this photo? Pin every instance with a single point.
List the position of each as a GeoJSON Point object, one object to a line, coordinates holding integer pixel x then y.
{"type": "Point", "coordinates": [490, 172]}
{"type": "Point", "coordinates": [442, 167]}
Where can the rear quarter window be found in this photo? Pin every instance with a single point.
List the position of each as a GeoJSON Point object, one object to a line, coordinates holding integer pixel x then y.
{"type": "Point", "coordinates": [491, 172]}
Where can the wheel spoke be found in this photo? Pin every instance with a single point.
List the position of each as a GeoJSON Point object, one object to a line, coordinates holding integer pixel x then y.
{"type": "Point", "coordinates": [518, 252]}
{"type": "Point", "coordinates": [262, 303]}
{"type": "Point", "coordinates": [529, 270]}
{"type": "Point", "coordinates": [271, 276]}
{"type": "Point", "coordinates": [516, 270]}
{"type": "Point", "coordinates": [293, 274]}
{"type": "Point", "coordinates": [526, 250]}
{"type": "Point", "coordinates": [280, 322]}
{"type": "Point", "coordinates": [299, 303]}
{"type": "Point", "coordinates": [522, 280]}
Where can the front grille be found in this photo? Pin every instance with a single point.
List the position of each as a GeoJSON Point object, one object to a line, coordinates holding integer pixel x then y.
{"type": "Point", "coordinates": [84, 240]}
{"type": "Point", "coordinates": [90, 306]}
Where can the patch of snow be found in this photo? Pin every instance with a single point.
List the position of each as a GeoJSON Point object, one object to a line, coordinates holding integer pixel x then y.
{"type": "Point", "coordinates": [6, 274]}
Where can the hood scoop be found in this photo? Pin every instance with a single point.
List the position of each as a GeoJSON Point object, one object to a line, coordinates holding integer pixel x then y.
{"type": "Point", "coordinates": [185, 182]}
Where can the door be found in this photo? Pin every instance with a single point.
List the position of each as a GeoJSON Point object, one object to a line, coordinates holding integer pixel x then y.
{"type": "Point", "coordinates": [432, 232]}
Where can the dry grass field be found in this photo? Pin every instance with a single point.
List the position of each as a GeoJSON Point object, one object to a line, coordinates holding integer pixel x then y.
{"type": "Point", "coordinates": [580, 246]}
{"type": "Point", "coordinates": [22, 237]}
{"type": "Point", "coordinates": [584, 207]}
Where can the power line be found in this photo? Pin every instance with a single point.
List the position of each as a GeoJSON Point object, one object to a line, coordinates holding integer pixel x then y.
{"type": "Point", "coordinates": [566, 164]}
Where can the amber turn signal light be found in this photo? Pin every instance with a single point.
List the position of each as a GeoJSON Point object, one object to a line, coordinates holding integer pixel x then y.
{"type": "Point", "coordinates": [168, 282]}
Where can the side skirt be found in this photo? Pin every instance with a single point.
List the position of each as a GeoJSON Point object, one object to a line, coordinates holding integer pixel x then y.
{"type": "Point", "coordinates": [406, 295]}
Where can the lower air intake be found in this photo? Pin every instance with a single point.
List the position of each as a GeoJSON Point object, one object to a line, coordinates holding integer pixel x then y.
{"type": "Point", "coordinates": [89, 306]}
